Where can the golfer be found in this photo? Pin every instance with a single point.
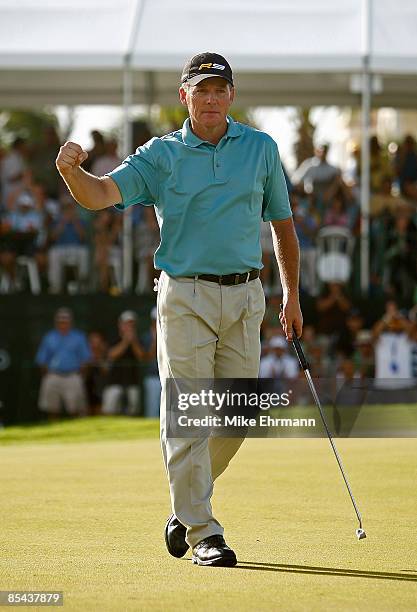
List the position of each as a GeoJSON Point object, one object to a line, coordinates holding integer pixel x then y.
{"type": "Point", "coordinates": [211, 182]}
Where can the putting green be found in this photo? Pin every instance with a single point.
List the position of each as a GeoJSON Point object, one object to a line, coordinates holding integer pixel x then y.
{"type": "Point", "coordinates": [87, 518]}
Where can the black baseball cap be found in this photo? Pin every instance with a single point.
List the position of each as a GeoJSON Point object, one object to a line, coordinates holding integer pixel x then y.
{"type": "Point", "coordinates": [205, 65]}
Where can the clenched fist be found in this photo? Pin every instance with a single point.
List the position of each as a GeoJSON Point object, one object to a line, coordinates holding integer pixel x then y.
{"type": "Point", "coordinates": [70, 157]}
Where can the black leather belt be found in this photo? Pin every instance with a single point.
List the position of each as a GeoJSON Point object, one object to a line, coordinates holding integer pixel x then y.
{"type": "Point", "coordinates": [228, 279]}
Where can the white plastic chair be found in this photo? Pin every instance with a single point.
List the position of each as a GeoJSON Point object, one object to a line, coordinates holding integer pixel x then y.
{"type": "Point", "coordinates": [29, 263]}
{"type": "Point", "coordinates": [334, 254]}
{"type": "Point", "coordinates": [115, 265]}
{"type": "Point", "coordinates": [5, 283]}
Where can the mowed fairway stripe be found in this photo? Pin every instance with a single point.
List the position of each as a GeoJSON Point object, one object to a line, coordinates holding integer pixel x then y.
{"type": "Point", "coordinates": [87, 518]}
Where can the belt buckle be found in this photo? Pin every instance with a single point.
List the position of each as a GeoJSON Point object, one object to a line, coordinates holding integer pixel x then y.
{"type": "Point", "coordinates": [220, 279]}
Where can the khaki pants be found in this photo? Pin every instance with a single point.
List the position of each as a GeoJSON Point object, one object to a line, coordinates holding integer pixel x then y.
{"type": "Point", "coordinates": [68, 389]}
{"type": "Point", "coordinates": [205, 331]}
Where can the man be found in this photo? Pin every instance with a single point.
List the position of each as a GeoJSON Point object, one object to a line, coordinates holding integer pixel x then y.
{"type": "Point", "coordinates": [22, 235]}
{"type": "Point", "coordinates": [392, 336]}
{"type": "Point", "coordinates": [12, 168]}
{"type": "Point", "coordinates": [317, 176]}
{"type": "Point", "coordinates": [68, 247]}
{"type": "Point", "coordinates": [306, 225]}
{"type": "Point", "coordinates": [123, 377]}
{"type": "Point", "coordinates": [63, 353]}
{"type": "Point", "coordinates": [96, 371]}
{"type": "Point", "coordinates": [277, 363]}
{"type": "Point", "coordinates": [211, 184]}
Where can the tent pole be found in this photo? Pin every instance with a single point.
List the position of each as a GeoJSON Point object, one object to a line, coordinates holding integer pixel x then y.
{"type": "Point", "coordinates": [365, 150]}
{"type": "Point", "coordinates": [127, 150]}
{"type": "Point", "coordinates": [365, 181]}
{"type": "Point", "coordinates": [127, 140]}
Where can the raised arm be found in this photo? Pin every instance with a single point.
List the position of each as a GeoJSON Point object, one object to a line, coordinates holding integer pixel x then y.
{"type": "Point", "coordinates": [92, 192]}
{"type": "Point", "coordinates": [287, 253]}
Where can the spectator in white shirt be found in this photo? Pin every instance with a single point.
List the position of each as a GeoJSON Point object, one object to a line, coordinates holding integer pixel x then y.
{"type": "Point", "coordinates": [12, 167]}
{"type": "Point", "coordinates": [277, 363]}
{"type": "Point", "coordinates": [393, 349]}
{"type": "Point", "coordinates": [316, 175]}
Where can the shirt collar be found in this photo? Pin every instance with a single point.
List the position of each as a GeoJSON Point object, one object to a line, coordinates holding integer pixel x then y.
{"type": "Point", "coordinates": [190, 139]}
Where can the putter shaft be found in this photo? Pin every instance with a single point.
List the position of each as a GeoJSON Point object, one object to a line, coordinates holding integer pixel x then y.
{"type": "Point", "coordinates": [336, 454]}
{"type": "Point", "coordinates": [360, 533]}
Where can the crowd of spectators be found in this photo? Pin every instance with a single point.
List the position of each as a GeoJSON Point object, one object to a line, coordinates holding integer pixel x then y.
{"type": "Point", "coordinates": [342, 345]}
{"type": "Point", "coordinates": [78, 251]}
{"type": "Point", "coordinates": [325, 201]}
{"type": "Point", "coordinates": [323, 196]}
{"type": "Point", "coordinates": [88, 374]}
{"type": "Point", "coordinates": [71, 249]}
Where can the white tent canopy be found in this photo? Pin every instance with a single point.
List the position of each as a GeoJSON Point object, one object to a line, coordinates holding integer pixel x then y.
{"type": "Point", "coordinates": [283, 52]}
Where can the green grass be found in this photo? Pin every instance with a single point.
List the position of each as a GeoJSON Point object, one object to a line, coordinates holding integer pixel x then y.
{"type": "Point", "coordinates": [88, 519]}
{"type": "Point", "coordinates": [90, 429]}
{"type": "Point", "coordinates": [390, 419]}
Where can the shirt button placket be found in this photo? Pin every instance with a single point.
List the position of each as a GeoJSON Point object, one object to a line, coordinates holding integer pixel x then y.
{"type": "Point", "coordinates": [217, 167]}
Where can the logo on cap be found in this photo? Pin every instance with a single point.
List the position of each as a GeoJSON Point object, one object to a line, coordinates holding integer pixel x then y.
{"type": "Point", "coordinates": [211, 65]}
{"type": "Point", "coordinates": [206, 65]}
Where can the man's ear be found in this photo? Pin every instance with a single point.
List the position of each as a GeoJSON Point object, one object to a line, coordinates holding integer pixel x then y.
{"type": "Point", "coordinates": [183, 96]}
{"type": "Point", "coordinates": [232, 94]}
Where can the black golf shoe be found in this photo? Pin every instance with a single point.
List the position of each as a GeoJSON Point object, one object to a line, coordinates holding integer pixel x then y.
{"type": "Point", "coordinates": [175, 537]}
{"type": "Point", "coordinates": [214, 551]}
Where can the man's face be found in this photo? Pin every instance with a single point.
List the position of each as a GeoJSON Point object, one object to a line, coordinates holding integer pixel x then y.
{"type": "Point", "coordinates": [321, 153]}
{"type": "Point", "coordinates": [63, 325]}
{"type": "Point", "coordinates": [69, 212]}
{"type": "Point", "coordinates": [208, 102]}
{"type": "Point", "coordinates": [391, 309]}
{"type": "Point", "coordinates": [96, 342]}
{"type": "Point", "coordinates": [127, 327]}
{"type": "Point", "coordinates": [354, 323]}
{"type": "Point", "coordinates": [24, 210]}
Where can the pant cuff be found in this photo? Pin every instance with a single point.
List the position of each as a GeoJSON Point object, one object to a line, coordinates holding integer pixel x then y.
{"type": "Point", "coordinates": [196, 534]}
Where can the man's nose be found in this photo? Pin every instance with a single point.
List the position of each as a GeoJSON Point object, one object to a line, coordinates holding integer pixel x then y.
{"type": "Point", "coordinates": [211, 97]}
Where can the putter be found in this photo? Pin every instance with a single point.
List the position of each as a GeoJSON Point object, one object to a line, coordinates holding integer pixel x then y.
{"type": "Point", "coordinates": [360, 532]}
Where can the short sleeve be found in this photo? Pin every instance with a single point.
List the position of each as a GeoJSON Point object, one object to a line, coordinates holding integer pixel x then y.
{"type": "Point", "coordinates": [137, 178]}
{"type": "Point", "coordinates": [276, 205]}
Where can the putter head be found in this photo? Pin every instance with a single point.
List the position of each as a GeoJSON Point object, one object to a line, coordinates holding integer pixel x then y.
{"type": "Point", "coordinates": [360, 534]}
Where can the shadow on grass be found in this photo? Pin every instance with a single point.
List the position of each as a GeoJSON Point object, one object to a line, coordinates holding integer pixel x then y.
{"type": "Point", "coordinates": [324, 571]}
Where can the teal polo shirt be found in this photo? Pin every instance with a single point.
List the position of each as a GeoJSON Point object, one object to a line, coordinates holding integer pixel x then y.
{"type": "Point", "coordinates": [209, 199]}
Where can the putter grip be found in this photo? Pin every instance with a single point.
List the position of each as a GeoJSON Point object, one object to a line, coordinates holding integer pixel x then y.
{"type": "Point", "coordinates": [300, 353]}
{"type": "Point", "coordinates": [298, 349]}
